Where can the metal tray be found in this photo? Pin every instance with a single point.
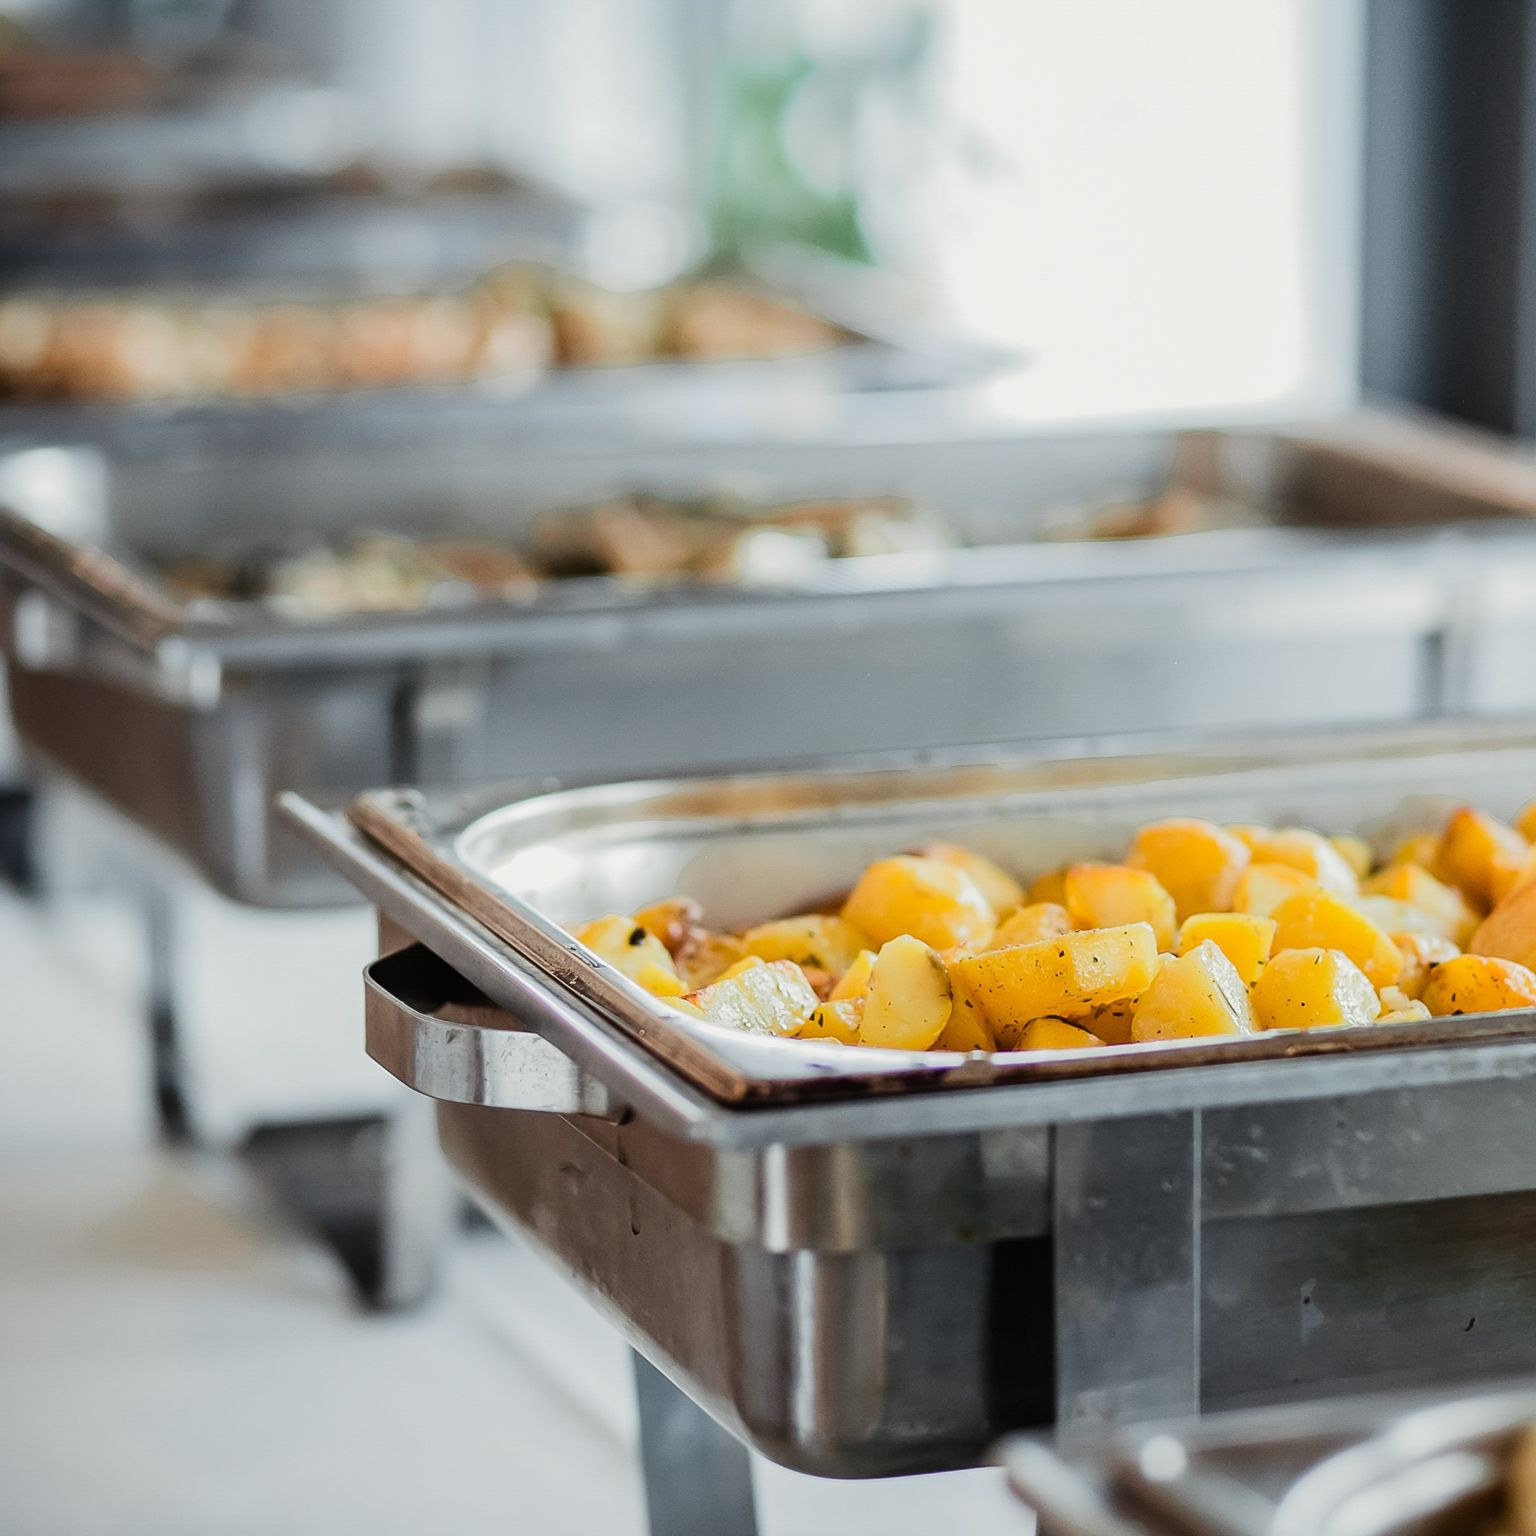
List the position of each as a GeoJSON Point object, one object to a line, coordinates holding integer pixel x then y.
{"type": "Point", "coordinates": [1403, 1465]}
{"type": "Point", "coordinates": [864, 1269]}
{"type": "Point", "coordinates": [208, 720]}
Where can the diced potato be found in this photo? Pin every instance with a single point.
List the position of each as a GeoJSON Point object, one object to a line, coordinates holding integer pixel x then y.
{"type": "Point", "coordinates": [854, 982]}
{"type": "Point", "coordinates": [1509, 931]}
{"type": "Point", "coordinates": [1039, 920]}
{"type": "Point", "coordinates": [1412, 1012]}
{"type": "Point", "coordinates": [634, 950]}
{"type": "Point", "coordinates": [1200, 993]}
{"type": "Point", "coordinates": [1421, 953]}
{"type": "Point", "coordinates": [772, 998]}
{"type": "Point", "coordinates": [1317, 919]}
{"type": "Point", "coordinates": [1055, 1035]}
{"type": "Point", "coordinates": [1248, 832]}
{"type": "Point", "coordinates": [1112, 1022]}
{"type": "Point", "coordinates": [1423, 848]}
{"type": "Point", "coordinates": [838, 1020]}
{"type": "Point", "coordinates": [965, 1031]}
{"type": "Point", "coordinates": [1479, 855]}
{"type": "Point", "coordinates": [1111, 895]}
{"type": "Point", "coordinates": [1312, 854]}
{"type": "Point", "coordinates": [1307, 988]}
{"type": "Point", "coordinates": [909, 999]}
{"type": "Point", "coordinates": [1355, 852]}
{"type": "Point", "coordinates": [1002, 891]}
{"type": "Point", "coordinates": [1525, 821]}
{"type": "Point", "coordinates": [1196, 862]}
{"type": "Point", "coordinates": [927, 898]}
{"type": "Point", "coordinates": [1066, 976]}
{"type": "Point", "coordinates": [746, 963]}
{"type": "Point", "coordinates": [706, 957]}
{"type": "Point", "coordinates": [1478, 984]}
{"type": "Point", "coordinates": [812, 940]}
{"type": "Point", "coordinates": [1244, 939]}
{"type": "Point", "coordinates": [1050, 887]}
{"type": "Point", "coordinates": [1414, 884]}
{"type": "Point", "coordinates": [1262, 887]}
{"type": "Point", "coordinates": [677, 922]}
{"type": "Point", "coordinates": [684, 1006]}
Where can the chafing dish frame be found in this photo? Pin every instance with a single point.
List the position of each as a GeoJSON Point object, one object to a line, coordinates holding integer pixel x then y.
{"type": "Point", "coordinates": [876, 1284]}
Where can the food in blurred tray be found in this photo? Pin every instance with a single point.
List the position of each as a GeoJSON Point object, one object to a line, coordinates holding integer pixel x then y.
{"type": "Point", "coordinates": [1202, 931]}
{"type": "Point", "coordinates": [640, 538]}
{"type": "Point", "coordinates": [513, 322]}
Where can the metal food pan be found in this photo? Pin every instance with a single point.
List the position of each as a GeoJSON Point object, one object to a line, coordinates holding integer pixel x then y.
{"type": "Point", "coordinates": [866, 1267]}
{"type": "Point", "coordinates": [208, 718]}
{"type": "Point", "coordinates": [1409, 1464]}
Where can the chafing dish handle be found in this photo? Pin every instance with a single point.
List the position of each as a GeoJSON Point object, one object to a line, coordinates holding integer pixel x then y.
{"type": "Point", "coordinates": [428, 1027]}
{"type": "Point", "coordinates": [89, 581]}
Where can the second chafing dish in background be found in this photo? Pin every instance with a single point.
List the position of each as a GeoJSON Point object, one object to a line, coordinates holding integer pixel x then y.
{"type": "Point", "coordinates": [868, 1265]}
{"type": "Point", "coordinates": [190, 724]}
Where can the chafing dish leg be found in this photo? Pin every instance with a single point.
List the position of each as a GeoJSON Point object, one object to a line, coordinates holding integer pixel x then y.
{"type": "Point", "coordinates": [165, 1056]}
{"type": "Point", "coordinates": [1127, 1241]}
{"type": "Point", "coordinates": [698, 1476]}
{"type": "Point", "coordinates": [420, 1207]}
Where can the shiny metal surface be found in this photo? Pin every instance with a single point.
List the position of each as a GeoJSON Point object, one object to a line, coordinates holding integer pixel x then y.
{"type": "Point", "coordinates": [1405, 1465]}
{"type": "Point", "coordinates": [1053, 639]}
{"type": "Point", "coordinates": [871, 1283]}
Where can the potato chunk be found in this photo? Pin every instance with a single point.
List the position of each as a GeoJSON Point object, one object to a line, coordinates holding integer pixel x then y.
{"type": "Point", "coordinates": [1262, 887]}
{"type": "Point", "coordinates": [927, 898]}
{"type": "Point", "coordinates": [1355, 852]}
{"type": "Point", "coordinates": [1317, 919]}
{"type": "Point", "coordinates": [631, 948]}
{"type": "Point", "coordinates": [1509, 931]}
{"type": "Point", "coordinates": [1111, 895]}
{"type": "Point", "coordinates": [771, 998]}
{"type": "Point", "coordinates": [1478, 984]}
{"type": "Point", "coordinates": [1112, 1021]}
{"type": "Point", "coordinates": [1002, 891]}
{"type": "Point", "coordinates": [854, 982]}
{"type": "Point", "coordinates": [1055, 1035]}
{"type": "Point", "coordinates": [1421, 954]}
{"type": "Point", "coordinates": [838, 1020]}
{"type": "Point", "coordinates": [1244, 939]}
{"type": "Point", "coordinates": [1066, 976]}
{"type": "Point", "coordinates": [706, 957]}
{"type": "Point", "coordinates": [1196, 862]}
{"type": "Point", "coordinates": [812, 940]}
{"type": "Point", "coordinates": [1411, 1012]}
{"type": "Point", "coordinates": [1311, 853]}
{"type": "Point", "coordinates": [1413, 884]}
{"type": "Point", "coordinates": [965, 1031]}
{"type": "Point", "coordinates": [677, 922]}
{"type": "Point", "coordinates": [1039, 920]}
{"type": "Point", "coordinates": [909, 999]}
{"type": "Point", "coordinates": [1050, 887]}
{"type": "Point", "coordinates": [1479, 855]}
{"type": "Point", "coordinates": [1200, 993]}
{"type": "Point", "coordinates": [1307, 988]}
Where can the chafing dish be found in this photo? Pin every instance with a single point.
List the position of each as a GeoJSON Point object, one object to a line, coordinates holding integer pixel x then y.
{"type": "Point", "coordinates": [1402, 1465]}
{"type": "Point", "coordinates": [863, 1263]}
{"type": "Point", "coordinates": [208, 717]}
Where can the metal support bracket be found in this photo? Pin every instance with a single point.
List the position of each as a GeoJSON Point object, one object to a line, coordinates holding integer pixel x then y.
{"type": "Point", "coordinates": [698, 1476]}
{"type": "Point", "coordinates": [1127, 1239]}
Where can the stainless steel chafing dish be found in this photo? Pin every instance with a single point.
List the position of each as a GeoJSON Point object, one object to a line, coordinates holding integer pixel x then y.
{"type": "Point", "coordinates": [1401, 1465]}
{"type": "Point", "coordinates": [863, 1263]}
{"type": "Point", "coordinates": [190, 724]}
